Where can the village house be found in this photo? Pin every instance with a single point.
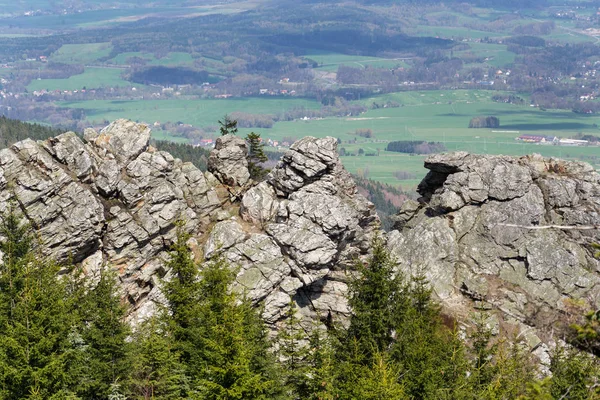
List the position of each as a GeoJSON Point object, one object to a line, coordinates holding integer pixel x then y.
{"type": "Point", "coordinates": [538, 139]}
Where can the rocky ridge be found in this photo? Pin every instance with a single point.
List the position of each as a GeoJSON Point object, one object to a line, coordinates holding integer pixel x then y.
{"type": "Point", "coordinates": [509, 236]}
{"type": "Point", "coordinates": [111, 199]}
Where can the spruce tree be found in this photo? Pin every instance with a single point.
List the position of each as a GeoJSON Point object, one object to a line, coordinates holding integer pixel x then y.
{"type": "Point", "coordinates": [34, 319]}
{"type": "Point", "coordinates": [107, 352]}
{"type": "Point", "coordinates": [157, 371]}
{"type": "Point", "coordinates": [377, 299]}
{"type": "Point", "coordinates": [256, 156]}
{"type": "Point", "coordinates": [228, 126]}
{"type": "Point", "coordinates": [294, 355]}
{"type": "Point", "coordinates": [221, 337]}
{"type": "Point", "coordinates": [431, 355]}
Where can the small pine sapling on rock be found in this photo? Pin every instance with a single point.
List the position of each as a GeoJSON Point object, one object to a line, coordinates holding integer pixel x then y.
{"type": "Point", "coordinates": [256, 156]}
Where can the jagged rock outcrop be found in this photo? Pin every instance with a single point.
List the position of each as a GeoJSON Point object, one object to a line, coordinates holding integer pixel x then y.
{"type": "Point", "coordinates": [228, 160]}
{"type": "Point", "coordinates": [475, 233]}
{"type": "Point", "coordinates": [298, 231]}
{"type": "Point", "coordinates": [111, 199]}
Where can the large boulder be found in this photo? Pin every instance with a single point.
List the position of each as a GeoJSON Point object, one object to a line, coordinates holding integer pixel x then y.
{"type": "Point", "coordinates": [507, 235]}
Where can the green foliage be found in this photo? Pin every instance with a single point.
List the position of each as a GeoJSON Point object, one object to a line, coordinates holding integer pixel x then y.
{"type": "Point", "coordinates": [380, 381]}
{"type": "Point", "coordinates": [430, 354]}
{"type": "Point", "coordinates": [105, 353]}
{"type": "Point", "coordinates": [377, 299]}
{"type": "Point", "coordinates": [228, 126]}
{"type": "Point", "coordinates": [220, 336]}
{"type": "Point", "coordinates": [575, 375]}
{"type": "Point", "coordinates": [34, 319]}
{"type": "Point", "coordinates": [597, 247]}
{"type": "Point", "coordinates": [587, 335]}
{"type": "Point", "coordinates": [12, 131]}
{"type": "Point", "coordinates": [256, 156]}
{"type": "Point", "coordinates": [185, 152]}
{"type": "Point", "coordinates": [157, 371]}
{"type": "Point", "coordinates": [293, 353]}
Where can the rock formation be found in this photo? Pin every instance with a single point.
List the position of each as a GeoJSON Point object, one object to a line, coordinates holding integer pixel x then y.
{"type": "Point", "coordinates": [110, 199]}
{"type": "Point", "coordinates": [481, 234]}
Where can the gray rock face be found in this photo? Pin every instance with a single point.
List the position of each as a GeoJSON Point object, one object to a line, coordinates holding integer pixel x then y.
{"type": "Point", "coordinates": [475, 234]}
{"type": "Point", "coordinates": [228, 161]}
{"type": "Point", "coordinates": [112, 200]}
{"type": "Point", "coordinates": [302, 228]}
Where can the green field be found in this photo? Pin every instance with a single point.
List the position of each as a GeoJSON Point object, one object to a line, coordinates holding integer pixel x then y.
{"type": "Point", "coordinates": [331, 61]}
{"type": "Point", "coordinates": [496, 55]}
{"type": "Point", "coordinates": [90, 18]}
{"type": "Point", "coordinates": [81, 53]}
{"type": "Point", "coordinates": [171, 59]}
{"type": "Point", "coordinates": [454, 32]}
{"type": "Point", "coordinates": [445, 123]}
{"type": "Point", "coordinates": [440, 116]}
{"type": "Point", "coordinates": [202, 112]}
{"type": "Point", "coordinates": [91, 78]}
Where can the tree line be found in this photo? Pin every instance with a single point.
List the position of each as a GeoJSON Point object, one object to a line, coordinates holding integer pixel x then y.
{"type": "Point", "coordinates": [415, 147]}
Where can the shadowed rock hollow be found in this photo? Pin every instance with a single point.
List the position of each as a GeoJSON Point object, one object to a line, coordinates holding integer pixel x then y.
{"type": "Point", "coordinates": [111, 199]}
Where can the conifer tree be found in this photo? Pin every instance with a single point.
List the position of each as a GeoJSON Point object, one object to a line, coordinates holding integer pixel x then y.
{"type": "Point", "coordinates": [34, 319]}
{"type": "Point", "coordinates": [431, 355]}
{"type": "Point", "coordinates": [256, 156]}
{"type": "Point", "coordinates": [575, 375]}
{"type": "Point", "coordinates": [221, 338]}
{"type": "Point", "coordinates": [380, 381]}
{"type": "Point", "coordinates": [228, 126]}
{"type": "Point", "coordinates": [102, 328]}
{"type": "Point", "coordinates": [377, 298]}
{"type": "Point", "coordinates": [294, 355]}
{"type": "Point", "coordinates": [157, 371]}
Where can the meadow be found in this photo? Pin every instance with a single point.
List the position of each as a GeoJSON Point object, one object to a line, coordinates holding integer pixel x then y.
{"type": "Point", "coordinates": [331, 61]}
{"type": "Point", "coordinates": [81, 53]}
{"type": "Point", "coordinates": [93, 77]}
{"type": "Point", "coordinates": [440, 116]}
{"type": "Point", "coordinates": [201, 112]}
{"type": "Point", "coordinates": [171, 59]}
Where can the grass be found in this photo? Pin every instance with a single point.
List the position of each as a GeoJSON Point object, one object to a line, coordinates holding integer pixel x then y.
{"type": "Point", "coordinates": [202, 112]}
{"type": "Point", "coordinates": [424, 119]}
{"type": "Point", "coordinates": [88, 18]}
{"type": "Point", "coordinates": [497, 55]}
{"type": "Point", "coordinates": [331, 61]}
{"type": "Point", "coordinates": [454, 32]}
{"type": "Point", "coordinates": [441, 116]}
{"type": "Point", "coordinates": [91, 78]}
{"type": "Point", "coordinates": [172, 59]}
{"type": "Point", "coordinates": [81, 53]}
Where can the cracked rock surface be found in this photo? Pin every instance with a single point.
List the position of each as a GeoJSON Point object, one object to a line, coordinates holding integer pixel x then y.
{"type": "Point", "coordinates": [110, 199]}
{"type": "Point", "coordinates": [474, 233]}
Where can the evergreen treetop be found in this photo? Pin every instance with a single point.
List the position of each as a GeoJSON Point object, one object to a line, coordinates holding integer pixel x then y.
{"type": "Point", "coordinates": [228, 125]}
